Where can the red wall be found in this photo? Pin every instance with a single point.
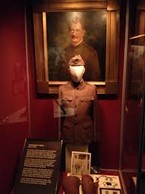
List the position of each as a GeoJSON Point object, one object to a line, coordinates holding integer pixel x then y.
{"type": "Point", "coordinates": [23, 115]}
{"type": "Point", "coordinates": [14, 122]}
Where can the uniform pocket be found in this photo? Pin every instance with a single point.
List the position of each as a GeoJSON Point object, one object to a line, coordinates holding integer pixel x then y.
{"type": "Point", "coordinates": [67, 105]}
{"type": "Point", "coordinates": [66, 100]}
{"type": "Point", "coordinates": [86, 99]}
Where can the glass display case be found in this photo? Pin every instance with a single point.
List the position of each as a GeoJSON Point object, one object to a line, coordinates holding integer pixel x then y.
{"type": "Point", "coordinates": [133, 100]}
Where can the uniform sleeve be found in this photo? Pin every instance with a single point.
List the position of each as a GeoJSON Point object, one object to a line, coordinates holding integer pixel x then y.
{"type": "Point", "coordinates": [94, 67]}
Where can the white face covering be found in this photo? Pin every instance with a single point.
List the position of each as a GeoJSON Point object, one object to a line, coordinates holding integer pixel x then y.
{"type": "Point", "coordinates": [77, 72]}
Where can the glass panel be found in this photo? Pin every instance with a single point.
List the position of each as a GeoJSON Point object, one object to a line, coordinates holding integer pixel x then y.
{"type": "Point", "coordinates": [133, 99]}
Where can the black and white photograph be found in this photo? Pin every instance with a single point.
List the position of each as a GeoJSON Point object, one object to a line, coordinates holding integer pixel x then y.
{"type": "Point", "coordinates": [80, 163]}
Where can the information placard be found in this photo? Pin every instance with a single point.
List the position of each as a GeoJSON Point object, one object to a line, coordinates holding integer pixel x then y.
{"type": "Point", "coordinates": [39, 167]}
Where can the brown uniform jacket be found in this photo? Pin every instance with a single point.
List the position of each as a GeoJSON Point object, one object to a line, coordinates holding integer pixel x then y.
{"type": "Point", "coordinates": [78, 120]}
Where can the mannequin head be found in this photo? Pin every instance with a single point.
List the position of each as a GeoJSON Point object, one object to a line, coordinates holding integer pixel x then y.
{"type": "Point", "coordinates": [76, 68]}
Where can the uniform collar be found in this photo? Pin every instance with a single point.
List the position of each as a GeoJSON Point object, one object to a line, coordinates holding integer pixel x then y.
{"type": "Point", "coordinates": [78, 85]}
{"type": "Point", "coordinates": [78, 45]}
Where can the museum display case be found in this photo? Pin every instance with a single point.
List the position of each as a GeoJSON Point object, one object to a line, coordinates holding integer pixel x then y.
{"type": "Point", "coordinates": [27, 97]}
{"type": "Point", "coordinates": [133, 97]}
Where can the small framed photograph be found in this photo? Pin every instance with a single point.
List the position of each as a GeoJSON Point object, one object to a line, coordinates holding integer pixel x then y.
{"type": "Point", "coordinates": [109, 191]}
{"type": "Point", "coordinates": [80, 163]}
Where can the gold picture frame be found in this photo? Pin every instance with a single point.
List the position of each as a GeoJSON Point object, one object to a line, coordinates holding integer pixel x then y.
{"type": "Point", "coordinates": [109, 84]}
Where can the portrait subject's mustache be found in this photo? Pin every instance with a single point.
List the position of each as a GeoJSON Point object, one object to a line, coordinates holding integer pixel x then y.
{"type": "Point", "coordinates": [73, 36]}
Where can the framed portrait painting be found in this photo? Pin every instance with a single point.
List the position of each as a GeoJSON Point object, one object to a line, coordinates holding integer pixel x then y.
{"type": "Point", "coordinates": [65, 29]}
{"type": "Point", "coordinates": [60, 42]}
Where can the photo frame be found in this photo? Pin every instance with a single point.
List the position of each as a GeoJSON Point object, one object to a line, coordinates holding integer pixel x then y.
{"type": "Point", "coordinates": [109, 191]}
{"type": "Point", "coordinates": [80, 163]}
{"type": "Point", "coordinates": [47, 50]}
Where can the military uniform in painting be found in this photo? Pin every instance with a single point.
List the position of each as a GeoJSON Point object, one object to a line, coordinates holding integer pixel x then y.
{"type": "Point", "coordinates": [90, 58]}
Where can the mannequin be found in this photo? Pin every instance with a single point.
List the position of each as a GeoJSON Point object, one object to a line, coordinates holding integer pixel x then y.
{"type": "Point", "coordinates": [78, 102]}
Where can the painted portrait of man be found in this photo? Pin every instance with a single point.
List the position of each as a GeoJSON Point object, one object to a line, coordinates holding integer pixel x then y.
{"type": "Point", "coordinates": [76, 33]}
